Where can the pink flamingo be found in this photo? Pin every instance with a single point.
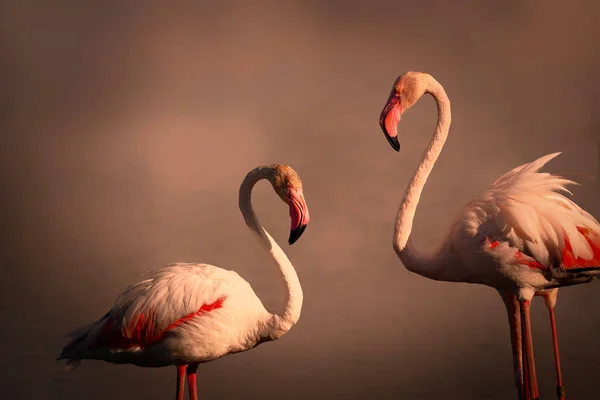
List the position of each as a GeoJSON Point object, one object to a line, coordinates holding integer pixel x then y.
{"type": "Point", "coordinates": [522, 236]}
{"type": "Point", "coordinates": [186, 314]}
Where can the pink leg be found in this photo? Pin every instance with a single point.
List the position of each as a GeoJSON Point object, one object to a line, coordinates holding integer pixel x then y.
{"type": "Point", "coordinates": [191, 375]}
{"type": "Point", "coordinates": [180, 381]}
{"type": "Point", "coordinates": [526, 390]}
{"type": "Point", "coordinates": [513, 309]}
{"type": "Point", "coordinates": [531, 378]}
{"type": "Point", "coordinates": [560, 389]}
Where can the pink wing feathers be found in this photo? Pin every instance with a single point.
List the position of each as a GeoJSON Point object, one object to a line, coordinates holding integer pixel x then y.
{"type": "Point", "coordinates": [527, 210]}
{"type": "Point", "coordinates": [167, 298]}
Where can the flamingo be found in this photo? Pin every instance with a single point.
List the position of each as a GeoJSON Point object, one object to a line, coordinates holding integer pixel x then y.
{"type": "Point", "coordinates": [185, 314]}
{"type": "Point", "coordinates": [522, 236]}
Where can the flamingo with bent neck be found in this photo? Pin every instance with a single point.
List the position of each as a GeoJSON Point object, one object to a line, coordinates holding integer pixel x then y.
{"type": "Point", "coordinates": [522, 236]}
{"type": "Point", "coordinates": [186, 314]}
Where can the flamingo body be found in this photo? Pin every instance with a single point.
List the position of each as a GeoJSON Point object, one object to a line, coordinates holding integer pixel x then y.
{"type": "Point", "coordinates": [524, 235]}
{"type": "Point", "coordinates": [182, 313]}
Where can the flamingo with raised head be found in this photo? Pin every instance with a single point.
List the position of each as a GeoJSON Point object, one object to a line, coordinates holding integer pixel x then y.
{"type": "Point", "coordinates": [186, 314]}
{"type": "Point", "coordinates": [522, 236]}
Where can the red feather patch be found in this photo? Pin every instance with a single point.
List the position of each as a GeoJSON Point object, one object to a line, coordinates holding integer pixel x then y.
{"type": "Point", "coordinates": [519, 257]}
{"type": "Point", "coordinates": [143, 329]}
{"type": "Point", "coordinates": [493, 244]}
{"type": "Point", "coordinates": [569, 260]}
{"type": "Point", "coordinates": [531, 263]}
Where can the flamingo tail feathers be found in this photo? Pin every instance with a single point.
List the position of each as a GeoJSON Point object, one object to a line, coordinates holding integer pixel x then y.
{"type": "Point", "coordinates": [79, 342]}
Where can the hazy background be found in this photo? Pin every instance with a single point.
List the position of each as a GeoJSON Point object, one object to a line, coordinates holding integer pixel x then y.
{"type": "Point", "coordinates": [127, 129]}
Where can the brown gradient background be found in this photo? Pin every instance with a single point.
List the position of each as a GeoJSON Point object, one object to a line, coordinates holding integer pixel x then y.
{"type": "Point", "coordinates": [127, 129]}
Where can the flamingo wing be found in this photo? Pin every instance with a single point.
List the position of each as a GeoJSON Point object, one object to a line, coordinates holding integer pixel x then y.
{"type": "Point", "coordinates": [527, 213]}
{"type": "Point", "coordinates": [206, 299]}
{"type": "Point", "coordinates": [167, 298]}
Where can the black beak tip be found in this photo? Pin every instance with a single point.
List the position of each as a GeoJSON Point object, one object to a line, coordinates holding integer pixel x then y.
{"type": "Point", "coordinates": [394, 142]}
{"type": "Point", "coordinates": [296, 233]}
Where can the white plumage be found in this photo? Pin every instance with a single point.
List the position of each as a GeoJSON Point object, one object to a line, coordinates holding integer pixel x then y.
{"type": "Point", "coordinates": [185, 314]}
{"type": "Point", "coordinates": [160, 320]}
{"type": "Point", "coordinates": [529, 226]}
{"type": "Point", "coordinates": [522, 236]}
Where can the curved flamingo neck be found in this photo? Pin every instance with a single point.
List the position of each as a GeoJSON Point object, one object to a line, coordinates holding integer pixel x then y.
{"type": "Point", "coordinates": [279, 323]}
{"type": "Point", "coordinates": [425, 265]}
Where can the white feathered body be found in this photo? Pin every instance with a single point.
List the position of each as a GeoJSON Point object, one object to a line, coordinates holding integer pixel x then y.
{"type": "Point", "coordinates": [179, 314]}
{"type": "Point", "coordinates": [524, 235]}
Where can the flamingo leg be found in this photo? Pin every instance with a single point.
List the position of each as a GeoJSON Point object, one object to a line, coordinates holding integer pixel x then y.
{"type": "Point", "coordinates": [531, 378]}
{"type": "Point", "coordinates": [180, 382]}
{"type": "Point", "coordinates": [191, 376]}
{"type": "Point", "coordinates": [513, 309]}
{"type": "Point", "coordinates": [526, 383]}
{"type": "Point", "coordinates": [560, 388]}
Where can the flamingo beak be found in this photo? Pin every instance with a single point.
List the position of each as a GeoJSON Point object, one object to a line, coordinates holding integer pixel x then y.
{"type": "Point", "coordinates": [389, 119]}
{"type": "Point", "coordinates": [298, 214]}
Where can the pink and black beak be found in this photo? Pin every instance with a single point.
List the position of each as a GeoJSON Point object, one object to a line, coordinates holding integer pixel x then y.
{"type": "Point", "coordinates": [298, 214]}
{"type": "Point", "coordinates": [389, 119]}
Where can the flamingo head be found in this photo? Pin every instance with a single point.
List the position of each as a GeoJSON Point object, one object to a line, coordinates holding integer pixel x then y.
{"type": "Point", "coordinates": [407, 89]}
{"type": "Point", "coordinates": [288, 186]}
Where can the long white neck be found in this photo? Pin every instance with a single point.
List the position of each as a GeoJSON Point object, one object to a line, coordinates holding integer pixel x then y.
{"type": "Point", "coordinates": [279, 323]}
{"type": "Point", "coordinates": [430, 266]}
